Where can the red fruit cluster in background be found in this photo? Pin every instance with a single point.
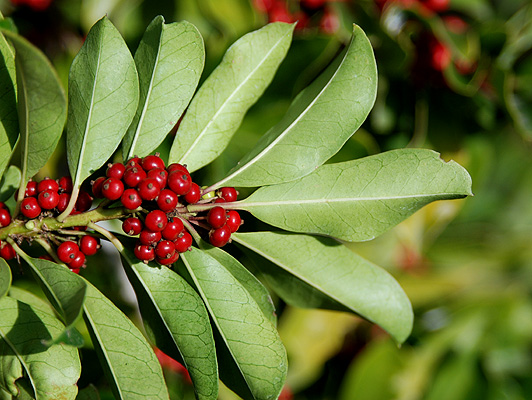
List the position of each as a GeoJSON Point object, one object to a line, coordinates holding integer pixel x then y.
{"type": "Point", "coordinates": [155, 195]}
{"type": "Point", "coordinates": [37, 5]}
{"type": "Point", "coordinates": [308, 13]}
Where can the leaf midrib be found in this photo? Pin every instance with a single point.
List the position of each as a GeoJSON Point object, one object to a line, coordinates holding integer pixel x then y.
{"type": "Point", "coordinates": [226, 102]}
{"type": "Point", "coordinates": [26, 126]}
{"type": "Point", "coordinates": [286, 131]}
{"type": "Point", "coordinates": [150, 88]}
{"type": "Point", "coordinates": [244, 204]}
{"type": "Point", "coordinates": [89, 117]}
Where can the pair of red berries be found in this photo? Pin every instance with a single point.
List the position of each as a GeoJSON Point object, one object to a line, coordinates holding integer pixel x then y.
{"type": "Point", "coordinates": [223, 223]}
{"type": "Point", "coordinates": [7, 252]}
{"type": "Point", "coordinates": [74, 254]}
{"type": "Point", "coordinates": [49, 195]}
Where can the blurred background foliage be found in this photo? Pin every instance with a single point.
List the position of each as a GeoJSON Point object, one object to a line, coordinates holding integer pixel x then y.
{"type": "Point", "coordinates": [454, 76]}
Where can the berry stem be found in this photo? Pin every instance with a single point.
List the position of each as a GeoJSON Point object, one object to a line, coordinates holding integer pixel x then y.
{"type": "Point", "coordinates": [195, 235]}
{"type": "Point", "coordinates": [71, 204]}
{"type": "Point", "coordinates": [46, 246]}
{"type": "Point", "coordinates": [108, 235]}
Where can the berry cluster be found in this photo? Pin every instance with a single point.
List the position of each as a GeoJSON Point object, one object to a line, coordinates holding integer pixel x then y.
{"type": "Point", "coordinates": [73, 254]}
{"type": "Point", "coordinates": [157, 196]}
{"type": "Point", "coordinates": [6, 250]}
{"type": "Point", "coordinates": [50, 197]}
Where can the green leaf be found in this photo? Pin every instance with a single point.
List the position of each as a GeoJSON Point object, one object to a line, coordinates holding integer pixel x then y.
{"type": "Point", "coordinates": [64, 289]}
{"type": "Point", "coordinates": [10, 183]}
{"type": "Point", "coordinates": [360, 199]}
{"type": "Point", "coordinates": [234, 86]}
{"type": "Point", "coordinates": [258, 365]}
{"type": "Point", "coordinates": [340, 274]}
{"type": "Point", "coordinates": [5, 277]}
{"type": "Point", "coordinates": [41, 106]}
{"type": "Point", "coordinates": [51, 371]}
{"type": "Point", "coordinates": [88, 393]}
{"type": "Point", "coordinates": [9, 130]}
{"type": "Point", "coordinates": [256, 289]}
{"type": "Point", "coordinates": [130, 365]}
{"type": "Point", "coordinates": [176, 319]}
{"type": "Point", "coordinates": [318, 123]}
{"type": "Point", "coordinates": [169, 61]}
{"type": "Point", "coordinates": [103, 91]}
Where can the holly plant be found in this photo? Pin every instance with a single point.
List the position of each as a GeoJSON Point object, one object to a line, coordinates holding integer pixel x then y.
{"type": "Point", "coordinates": [182, 241]}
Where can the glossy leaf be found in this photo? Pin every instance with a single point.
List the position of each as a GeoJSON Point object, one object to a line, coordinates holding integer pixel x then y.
{"type": "Point", "coordinates": [103, 94]}
{"type": "Point", "coordinates": [41, 106]}
{"type": "Point", "coordinates": [258, 358]}
{"type": "Point", "coordinates": [340, 274]}
{"type": "Point", "coordinates": [255, 288]}
{"type": "Point", "coordinates": [51, 371]}
{"type": "Point", "coordinates": [129, 363]}
{"type": "Point", "coordinates": [176, 319]}
{"type": "Point", "coordinates": [360, 199]}
{"type": "Point", "coordinates": [9, 130]}
{"type": "Point", "coordinates": [9, 183]}
{"type": "Point", "coordinates": [234, 86]}
{"type": "Point", "coordinates": [169, 62]}
{"type": "Point", "coordinates": [5, 277]}
{"type": "Point", "coordinates": [64, 289]}
{"type": "Point", "coordinates": [318, 123]}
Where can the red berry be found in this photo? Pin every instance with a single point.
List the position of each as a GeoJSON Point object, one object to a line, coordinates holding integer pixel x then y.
{"type": "Point", "coordinates": [160, 175]}
{"type": "Point", "coordinates": [48, 199]}
{"type": "Point", "coordinates": [183, 242]}
{"type": "Point", "coordinates": [67, 251]}
{"type": "Point", "coordinates": [156, 220]}
{"type": "Point", "coordinates": [164, 249]}
{"type": "Point", "coordinates": [77, 262]}
{"type": "Point", "coordinates": [233, 220]}
{"type": "Point", "coordinates": [7, 252]}
{"type": "Point", "coordinates": [149, 237]}
{"type": "Point", "coordinates": [65, 184]}
{"type": "Point", "coordinates": [173, 229]}
{"type": "Point", "coordinates": [152, 162]}
{"type": "Point", "coordinates": [83, 202]}
{"type": "Point", "coordinates": [64, 198]}
{"type": "Point", "coordinates": [220, 236]}
{"type": "Point", "coordinates": [167, 261]}
{"type": "Point", "coordinates": [180, 182]}
{"type": "Point", "coordinates": [216, 217]}
{"type": "Point", "coordinates": [97, 187]}
{"type": "Point", "coordinates": [176, 167]}
{"type": "Point", "coordinates": [133, 176]}
{"type": "Point", "coordinates": [132, 226]}
{"type": "Point", "coordinates": [112, 188]}
{"type": "Point", "coordinates": [115, 170]}
{"type": "Point", "coordinates": [330, 22]}
{"type": "Point", "coordinates": [167, 200]}
{"type": "Point", "coordinates": [89, 245]}
{"type": "Point", "coordinates": [47, 184]}
{"type": "Point", "coordinates": [5, 217]}
{"type": "Point", "coordinates": [441, 56]}
{"type": "Point", "coordinates": [30, 208]}
{"type": "Point", "coordinates": [144, 253]}
{"type": "Point", "coordinates": [149, 189]}
{"type": "Point", "coordinates": [228, 194]}
{"type": "Point", "coordinates": [220, 200]}
{"type": "Point", "coordinates": [31, 189]}
{"type": "Point", "coordinates": [132, 162]}
{"type": "Point", "coordinates": [194, 194]}
{"type": "Point", "coordinates": [131, 199]}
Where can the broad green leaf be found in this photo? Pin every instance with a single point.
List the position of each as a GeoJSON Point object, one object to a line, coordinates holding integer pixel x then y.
{"type": "Point", "coordinates": [64, 289]}
{"type": "Point", "coordinates": [251, 341]}
{"type": "Point", "coordinates": [256, 289]}
{"type": "Point", "coordinates": [234, 86]}
{"type": "Point", "coordinates": [130, 365]}
{"type": "Point", "coordinates": [103, 93]}
{"type": "Point", "coordinates": [41, 106]}
{"type": "Point", "coordinates": [360, 199]}
{"type": "Point", "coordinates": [9, 183]}
{"type": "Point", "coordinates": [5, 277]}
{"type": "Point", "coordinates": [338, 273]}
{"type": "Point", "coordinates": [51, 371]}
{"type": "Point", "coordinates": [9, 130]}
{"type": "Point", "coordinates": [169, 62]}
{"type": "Point", "coordinates": [176, 319]}
{"type": "Point", "coordinates": [317, 124]}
